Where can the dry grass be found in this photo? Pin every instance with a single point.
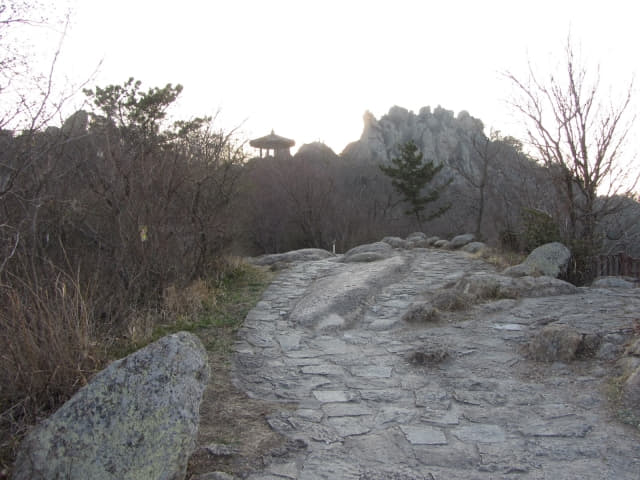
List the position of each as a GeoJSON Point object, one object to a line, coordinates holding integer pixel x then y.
{"type": "Point", "coordinates": [554, 343]}
{"type": "Point", "coordinates": [614, 390]}
{"type": "Point", "coordinates": [451, 301]}
{"type": "Point", "coordinates": [421, 312]}
{"type": "Point", "coordinates": [48, 350]}
{"type": "Point", "coordinates": [48, 342]}
{"type": "Point", "coordinates": [500, 259]}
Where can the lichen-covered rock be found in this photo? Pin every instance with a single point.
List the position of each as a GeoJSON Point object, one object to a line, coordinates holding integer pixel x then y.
{"type": "Point", "coordinates": [550, 259]}
{"type": "Point", "coordinates": [303, 255]}
{"type": "Point", "coordinates": [490, 286]}
{"type": "Point", "coordinates": [555, 343]}
{"type": "Point", "coordinates": [368, 253]}
{"type": "Point", "coordinates": [460, 241]}
{"type": "Point", "coordinates": [138, 418]}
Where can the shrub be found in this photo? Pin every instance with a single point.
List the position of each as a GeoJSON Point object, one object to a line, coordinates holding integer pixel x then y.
{"type": "Point", "coordinates": [555, 343]}
{"type": "Point", "coordinates": [538, 228]}
{"type": "Point", "coordinates": [451, 300]}
{"type": "Point", "coordinates": [422, 312]}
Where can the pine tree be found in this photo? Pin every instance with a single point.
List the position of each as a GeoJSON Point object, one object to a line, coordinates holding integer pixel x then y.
{"type": "Point", "coordinates": [409, 176]}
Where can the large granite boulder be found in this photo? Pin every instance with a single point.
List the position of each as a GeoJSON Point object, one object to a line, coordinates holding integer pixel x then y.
{"type": "Point", "coordinates": [474, 247]}
{"type": "Point", "coordinates": [460, 241]}
{"type": "Point", "coordinates": [432, 240]}
{"type": "Point", "coordinates": [550, 259]}
{"type": "Point", "coordinates": [490, 286]}
{"type": "Point", "coordinates": [136, 419]}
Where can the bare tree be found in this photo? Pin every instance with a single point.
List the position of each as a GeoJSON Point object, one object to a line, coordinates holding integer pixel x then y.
{"type": "Point", "coordinates": [478, 174]}
{"type": "Point", "coordinates": [580, 132]}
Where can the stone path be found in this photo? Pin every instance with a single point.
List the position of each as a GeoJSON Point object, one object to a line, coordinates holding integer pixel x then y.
{"type": "Point", "coordinates": [328, 338]}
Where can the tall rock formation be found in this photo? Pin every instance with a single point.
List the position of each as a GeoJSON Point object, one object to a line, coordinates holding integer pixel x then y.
{"type": "Point", "coordinates": [440, 136]}
{"type": "Point", "coordinates": [492, 180]}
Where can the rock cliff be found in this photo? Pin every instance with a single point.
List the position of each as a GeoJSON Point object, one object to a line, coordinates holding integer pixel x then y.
{"type": "Point", "coordinates": [439, 135]}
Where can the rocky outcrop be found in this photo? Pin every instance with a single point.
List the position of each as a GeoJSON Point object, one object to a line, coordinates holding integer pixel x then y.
{"type": "Point", "coordinates": [136, 419]}
{"type": "Point", "coordinates": [474, 247]}
{"type": "Point", "coordinates": [550, 259]}
{"type": "Point", "coordinates": [395, 242]}
{"type": "Point", "coordinates": [303, 255]}
{"type": "Point", "coordinates": [441, 243]}
{"type": "Point", "coordinates": [439, 135]}
{"type": "Point", "coordinates": [337, 301]}
{"type": "Point", "coordinates": [491, 286]}
{"type": "Point", "coordinates": [76, 125]}
{"type": "Point", "coordinates": [460, 241]}
{"type": "Point", "coordinates": [370, 252]}
{"type": "Point", "coordinates": [612, 282]}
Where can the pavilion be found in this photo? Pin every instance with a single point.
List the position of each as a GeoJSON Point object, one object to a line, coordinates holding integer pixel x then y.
{"type": "Point", "coordinates": [279, 145]}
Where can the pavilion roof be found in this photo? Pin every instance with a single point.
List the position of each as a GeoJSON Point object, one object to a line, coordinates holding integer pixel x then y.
{"type": "Point", "coordinates": [272, 141]}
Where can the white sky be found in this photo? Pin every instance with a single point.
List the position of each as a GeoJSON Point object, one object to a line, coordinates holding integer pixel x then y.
{"type": "Point", "coordinates": [310, 69]}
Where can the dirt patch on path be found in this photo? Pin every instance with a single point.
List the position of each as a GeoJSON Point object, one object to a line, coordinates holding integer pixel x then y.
{"type": "Point", "coordinates": [234, 436]}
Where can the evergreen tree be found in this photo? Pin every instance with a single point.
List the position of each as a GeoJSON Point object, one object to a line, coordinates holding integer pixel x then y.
{"type": "Point", "coordinates": [409, 176]}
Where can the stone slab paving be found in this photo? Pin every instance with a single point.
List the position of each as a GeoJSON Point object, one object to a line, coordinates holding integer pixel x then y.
{"type": "Point", "coordinates": [328, 337]}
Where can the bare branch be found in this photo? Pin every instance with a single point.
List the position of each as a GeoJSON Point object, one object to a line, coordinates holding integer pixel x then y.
{"type": "Point", "coordinates": [568, 126]}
